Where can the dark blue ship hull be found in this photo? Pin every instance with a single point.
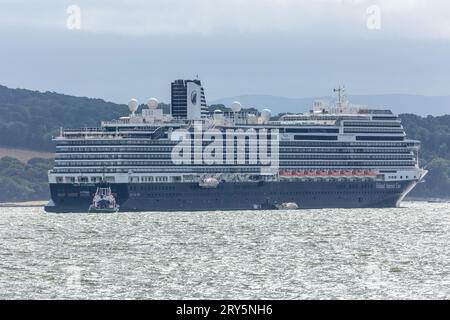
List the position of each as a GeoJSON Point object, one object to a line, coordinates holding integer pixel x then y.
{"type": "Point", "coordinates": [234, 196]}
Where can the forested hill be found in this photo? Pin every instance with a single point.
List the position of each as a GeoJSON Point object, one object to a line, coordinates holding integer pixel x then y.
{"type": "Point", "coordinates": [28, 119]}
{"type": "Point", "coordinates": [434, 134]}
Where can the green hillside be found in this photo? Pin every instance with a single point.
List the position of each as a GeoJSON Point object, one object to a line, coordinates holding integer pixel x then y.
{"type": "Point", "coordinates": [24, 181]}
{"type": "Point", "coordinates": [434, 134]}
{"type": "Point", "coordinates": [30, 118]}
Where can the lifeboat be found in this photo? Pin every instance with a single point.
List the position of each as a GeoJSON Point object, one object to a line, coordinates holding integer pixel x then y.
{"type": "Point", "coordinates": [208, 182]}
{"type": "Point", "coordinates": [289, 205]}
{"type": "Point", "coordinates": [285, 173]}
{"type": "Point", "coordinates": [334, 173]}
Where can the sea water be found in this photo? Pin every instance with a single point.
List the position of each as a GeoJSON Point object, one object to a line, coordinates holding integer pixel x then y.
{"type": "Point", "coordinates": [398, 253]}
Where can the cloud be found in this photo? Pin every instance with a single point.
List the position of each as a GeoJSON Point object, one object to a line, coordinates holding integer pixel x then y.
{"type": "Point", "coordinates": [302, 18]}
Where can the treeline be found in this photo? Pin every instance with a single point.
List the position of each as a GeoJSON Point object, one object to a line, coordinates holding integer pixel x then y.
{"type": "Point", "coordinates": [24, 181]}
{"type": "Point", "coordinates": [29, 119]}
{"type": "Point", "coordinates": [434, 134]}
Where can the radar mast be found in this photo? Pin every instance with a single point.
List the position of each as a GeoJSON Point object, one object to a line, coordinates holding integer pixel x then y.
{"type": "Point", "coordinates": [341, 95]}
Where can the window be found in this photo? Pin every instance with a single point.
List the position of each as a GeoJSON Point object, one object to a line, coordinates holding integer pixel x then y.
{"type": "Point", "coordinates": [298, 137]}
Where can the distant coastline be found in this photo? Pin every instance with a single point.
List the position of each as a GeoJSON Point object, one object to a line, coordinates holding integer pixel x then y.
{"type": "Point", "coordinates": [24, 154]}
{"type": "Point", "coordinates": [427, 199]}
{"type": "Point", "coordinates": [39, 203]}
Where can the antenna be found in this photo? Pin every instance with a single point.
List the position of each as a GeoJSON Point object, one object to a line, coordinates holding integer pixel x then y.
{"type": "Point", "coordinates": [341, 94]}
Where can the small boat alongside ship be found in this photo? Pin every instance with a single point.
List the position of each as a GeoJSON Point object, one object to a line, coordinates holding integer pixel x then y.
{"type": "Point", "coordinates": [104, 201]}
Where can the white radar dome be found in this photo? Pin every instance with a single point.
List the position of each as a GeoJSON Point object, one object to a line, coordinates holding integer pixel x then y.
{"type": "Point", "coordinates": [236, 106]}
{"type": "Point", "coordinates": [265, 115]}
{"type": "Point", "coordinates": [133, 105]}
{"type": "Point", "coordinates": [152, 103]}
{"type": "Point", "coordinates": [251, 118]}
{"type": "Point", "coordinates": [218, 114]}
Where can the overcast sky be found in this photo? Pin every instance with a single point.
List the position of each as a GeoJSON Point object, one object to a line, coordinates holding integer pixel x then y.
{"type": "Point", "coordinates": [292, 48]}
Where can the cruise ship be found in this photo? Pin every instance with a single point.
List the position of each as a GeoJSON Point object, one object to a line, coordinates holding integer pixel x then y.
{"type": "Point", "coordinates": [336, 155]}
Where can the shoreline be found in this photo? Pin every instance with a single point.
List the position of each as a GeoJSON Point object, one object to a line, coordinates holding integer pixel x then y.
{"type": "Point", "coordinates": [437, 200]}
{"type": "Point", "coordinates": [35, 203]}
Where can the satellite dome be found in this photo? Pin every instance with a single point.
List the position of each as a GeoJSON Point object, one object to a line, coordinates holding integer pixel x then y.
{"type": "Point", "coordinates": [133, 105]}
{"type": "Point", "coordinates": [265, 115]}
{"type": "Point", "coordinates": [152, 103]}
{"type": "Point", "coordinates": [236, 106]}
{"type": "Point", "coordinates": [218, 114]}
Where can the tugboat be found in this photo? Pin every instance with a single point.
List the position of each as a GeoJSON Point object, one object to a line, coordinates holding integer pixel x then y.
{"type": "Point", "coordinates": [104, 201]}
